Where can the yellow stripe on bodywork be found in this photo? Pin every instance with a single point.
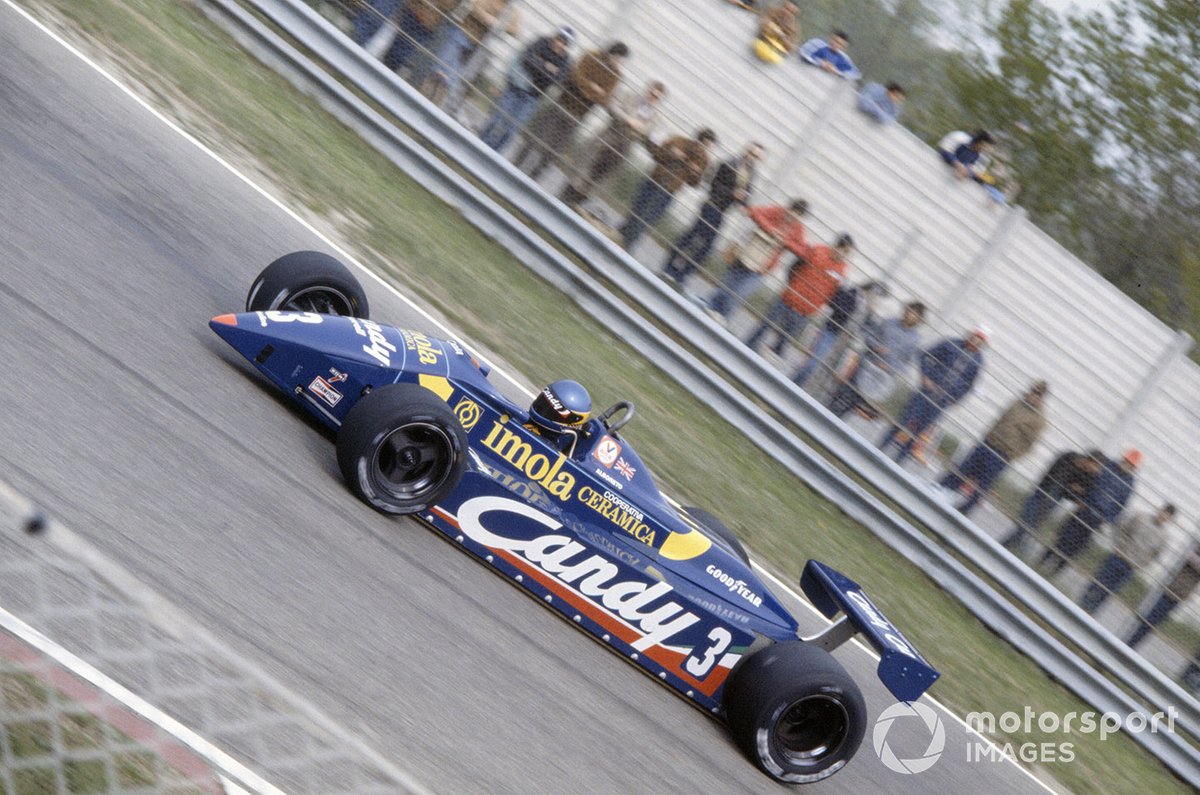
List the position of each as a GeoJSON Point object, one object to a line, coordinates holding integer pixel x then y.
{"type": "Point", "coordinates": [436, 384]}
{"type": "Point", "coordinates": [685, 546]}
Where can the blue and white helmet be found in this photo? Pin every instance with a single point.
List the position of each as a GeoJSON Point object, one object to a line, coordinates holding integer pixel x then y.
{"type": "Point", "coordinates": [563, 406]}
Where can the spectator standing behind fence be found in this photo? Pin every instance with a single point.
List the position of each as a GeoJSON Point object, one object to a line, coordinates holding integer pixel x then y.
{"type": "Point", "coordinates": [370, 19]}
{"type": "Point", "coordinates": [948, 372]}
{"type": "Point", "coordinates": [1013, 435]}
{"type": "Point", "coordinates": [831, 56]}
{"type": "Point", "coordinates": [417, 24]}
{"type": "Point", "coordinates": [633, 118]}
{"type": "Point", "coordinates": [541, 65]}
{"type": "Point", "coordinates": [851, 308]}
{"type": "Point", "coordinates": [1103, 502]}
{"type": "Point", "coordinates": [1137, 538]}
{"type": "Point", "coordinates": [967, 154]}
{"type": "Point", "coordinates": [882, 103]}
{"type": "Point", "coordinates": [777, 230]}
{"type": "Point", "coordinates": [812, 280]}
{"type": "Point", "coordinates": [777, 33]}
{"type": "Point", "coordinates": [460, 41]}
{"type": "Point", "coordinates": [1069, 477]}
{"type": "Point", "coordinates": [1177, 590]}
{"type": "Point", "coordinates": [891, 348]}
{"type": "Point", "coordinates": [549, 133]}
{"type": "Point", "coordinates": [679, 161]}
{"type": "Point", "coordinates": [730, 185]}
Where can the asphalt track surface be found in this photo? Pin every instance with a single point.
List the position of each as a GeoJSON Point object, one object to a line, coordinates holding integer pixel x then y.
{"type": "Point", "coordinates": [135, 425]}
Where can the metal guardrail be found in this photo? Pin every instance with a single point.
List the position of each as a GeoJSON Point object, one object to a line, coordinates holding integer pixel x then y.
{"type": "Point", "coordinates": [738, 365]}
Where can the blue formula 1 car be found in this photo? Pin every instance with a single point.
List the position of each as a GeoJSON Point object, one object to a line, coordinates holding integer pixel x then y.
{"type": "Point", "coordinates": [558, 501]}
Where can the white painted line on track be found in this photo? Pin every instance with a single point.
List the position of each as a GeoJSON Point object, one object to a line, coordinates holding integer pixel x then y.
{"type": "Point", "coordinates": [171, 124]}
{"type": "Point", "coordinates": [231, 788]}
{"type": "Point", "coordinates": [85, 670]}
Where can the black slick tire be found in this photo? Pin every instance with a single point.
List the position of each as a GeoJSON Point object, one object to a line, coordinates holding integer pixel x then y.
{"type": "Point", "coordinates": [308, 281]}
{"type": "Point", "coordinates": [401, 449]}
{"type": "Point", "coordinates": [793, 709]}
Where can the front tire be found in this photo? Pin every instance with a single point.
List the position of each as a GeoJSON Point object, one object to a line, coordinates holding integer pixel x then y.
{"type": "Point", "coordinates": [795, 712]}
{"type": "Point", "coordinates": [401, 449]}
{"type": "Point", "coordinates": [308, 281]}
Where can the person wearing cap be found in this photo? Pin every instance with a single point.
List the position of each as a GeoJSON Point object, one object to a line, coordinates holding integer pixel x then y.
{"type": "Point", "coordinates": [1137, 538]}
{"type": "Point", "coordinates": [1012, 436]}
{"type": "Point", "coordinates": [543, 64]}
{"type": "Point", "coordinates": [679, 161]}
{"type": "Point", "coordinates": [812, 280]}
{"type": "Point", "coordinates": [1103, 502]}
{"type": "Point", "coordinates": [948, 372]}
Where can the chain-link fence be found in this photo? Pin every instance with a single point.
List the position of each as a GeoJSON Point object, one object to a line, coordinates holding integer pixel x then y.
{"type": "Point", "coordinates": [608, 105]}
{"type": "Point", "coordinates": [52, 742]}
{"type": "Point", "coordinates": [60, 735]}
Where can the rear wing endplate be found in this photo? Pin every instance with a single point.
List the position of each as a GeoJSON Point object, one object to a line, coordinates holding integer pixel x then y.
{"type": "Point", "coordinates": [902, 669]}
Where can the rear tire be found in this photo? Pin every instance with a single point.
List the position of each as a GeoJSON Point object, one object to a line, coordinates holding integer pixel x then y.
{"type": "Point", "coordinates": [795, 712]}
{"type": "Point", "coordinates": [724, 535]}
{"type": "Point", "coordinates": [401, 449]}
{"type": "Point", "coordinates": [308, 281]}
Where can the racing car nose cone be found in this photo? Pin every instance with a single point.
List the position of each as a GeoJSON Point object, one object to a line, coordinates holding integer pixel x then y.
{"type": "Point", "coordinates": [225, 320]}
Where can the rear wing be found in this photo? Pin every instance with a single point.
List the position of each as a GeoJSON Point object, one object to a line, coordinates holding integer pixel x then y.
{"type": "Point", "coordinates": [902, 669]}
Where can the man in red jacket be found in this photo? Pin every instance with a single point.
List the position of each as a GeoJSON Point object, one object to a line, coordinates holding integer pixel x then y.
{"type": "Point", "coordinates": [778, 230]}
{"type": "Point", "coordinates": [812, 281]}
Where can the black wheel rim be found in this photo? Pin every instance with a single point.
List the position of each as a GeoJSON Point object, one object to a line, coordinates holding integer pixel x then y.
{"type": "Point", "coordinates": [414, 460]}
{"type": "Point", "coordinates": [811, 730]}
{"type": "Point", "coordinates": [323, 300]}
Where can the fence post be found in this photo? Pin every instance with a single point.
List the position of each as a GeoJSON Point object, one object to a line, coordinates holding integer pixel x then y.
{"type": "Point", "coordinates": [822, 120]}
{"type": "Point", "coordinates": [621, 20]}
{"type": "Point", "coordinates": [981, 263]}
{"type": "Point", "coordinates": [888, 272]}
{"type": "Point", "coordinates": [1172, 354]}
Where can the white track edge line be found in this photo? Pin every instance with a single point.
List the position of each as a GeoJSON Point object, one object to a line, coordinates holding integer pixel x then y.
{"type": "Point", "coordinates": [172, 125]}
{"type": "Point", "coordinates": [141, 706]}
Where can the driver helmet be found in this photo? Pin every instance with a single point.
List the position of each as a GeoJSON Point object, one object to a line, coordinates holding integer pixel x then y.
{"type": "Point", "coordinates": [562, 407]}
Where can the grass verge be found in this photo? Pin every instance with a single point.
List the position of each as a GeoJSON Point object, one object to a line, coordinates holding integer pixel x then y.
{"type": "Point", "coordinates": [51, 739]}
{"type": "Point", "coordinates": [243, 109]}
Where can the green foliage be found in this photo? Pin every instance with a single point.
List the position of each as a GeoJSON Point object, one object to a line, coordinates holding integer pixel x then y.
{"type": "Point", "coordinates": [1096, 113]}
{"type": "Point", "coordinates": [1142, 62]}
